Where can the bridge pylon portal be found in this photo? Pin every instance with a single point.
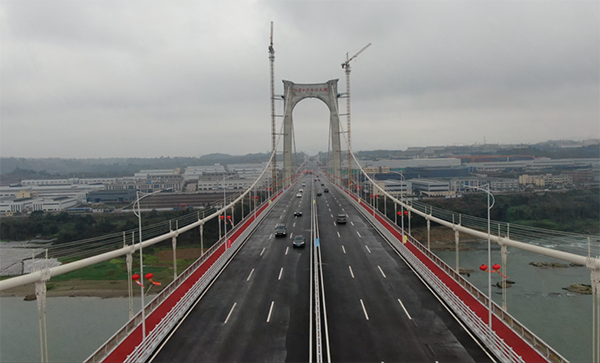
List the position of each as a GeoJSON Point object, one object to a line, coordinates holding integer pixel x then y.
{"type": "Point", "coordinates": [296, 92]}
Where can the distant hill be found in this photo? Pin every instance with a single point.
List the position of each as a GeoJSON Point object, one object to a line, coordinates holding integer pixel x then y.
{"type": "Point", "coordinates": [14, 169]}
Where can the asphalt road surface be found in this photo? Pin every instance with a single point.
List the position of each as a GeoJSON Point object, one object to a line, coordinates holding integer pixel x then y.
{"type": "Point", "coordinates": [377, 309]}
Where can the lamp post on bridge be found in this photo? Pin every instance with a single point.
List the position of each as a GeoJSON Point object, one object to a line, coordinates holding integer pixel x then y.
{"type": "Point", "coordinates": [489, 207]}
{"type": "Point", "coordinates": [224, 210]}
{"type": "Point", "coordinates": [402, 201]}
{"type": "Point", "coordinates": [139, 215]}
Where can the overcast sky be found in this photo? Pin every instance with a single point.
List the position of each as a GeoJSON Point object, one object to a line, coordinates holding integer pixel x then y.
{"type": "Point", "coordinates": [168, 78]}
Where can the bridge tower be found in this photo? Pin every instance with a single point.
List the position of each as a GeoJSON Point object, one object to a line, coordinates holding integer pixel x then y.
{"type": "Point", "coordinates": [296, 92]}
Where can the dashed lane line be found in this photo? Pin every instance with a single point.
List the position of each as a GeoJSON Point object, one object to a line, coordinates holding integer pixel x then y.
{"type": "Point", "coordinates": [343, 249]}
{"type": "Point", "coordinates": [263, 251]}
{"type": "Point", "coordinates": [357, 232]}
{"type": "Point", "coordinates": [338, 232]}
{"type": "Point", "coordinates": [351, 272]}
{"type": "Point", "coordinates": [286, 250]}
{"type": "Point", "coordinates": [406, 311]}
{"type": "Point", "coordinates": [380, 270]}
{"type": "Point", "coordinates": [270, 311]}
{"type": "Point", "coordinates": [364, 310]}
{"type": "Point", "coordinates": [352, 223]}
{"type": "Point", "coordinates": [248, 279]}
{"type": "Point", "coordinates": [367, 247]}
{"type": "Point", "coordinates": [280, 273]}
{"type": "Point", "coordinates": [230, 311]}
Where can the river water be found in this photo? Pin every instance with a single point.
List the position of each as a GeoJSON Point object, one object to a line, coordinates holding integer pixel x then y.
{"type": "Point", "coordinates": [77, 326]}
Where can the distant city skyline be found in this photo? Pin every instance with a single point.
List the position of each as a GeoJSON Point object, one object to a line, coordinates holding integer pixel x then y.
{"type": "Point", "coordinates": [97, 79]}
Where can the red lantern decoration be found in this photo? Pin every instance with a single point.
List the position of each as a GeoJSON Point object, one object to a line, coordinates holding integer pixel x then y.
{"type": "Point", "coordinates": [221, 217]}
{"type": "Point", "coordinates": [399, 213]}
{"type": "Point", "coordinates": [149, 277]}
{"type": "Point", "coordinates": [483, 268]}
{"type": "Point", "coordinates": [136, 278]}
{"type": "Point", "coordinates": [496, 267]}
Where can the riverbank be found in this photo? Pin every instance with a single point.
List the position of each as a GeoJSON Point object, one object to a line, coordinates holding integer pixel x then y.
{"type": "Point", "coordinates": [75, 288]}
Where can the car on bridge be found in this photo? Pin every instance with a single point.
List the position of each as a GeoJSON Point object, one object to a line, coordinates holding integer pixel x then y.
{"type": "Point", "coordinates": [298, 213]}
{"type": "Point", "coordinates": [298, 241]}
{"type": "Point", "coordinates": [280, 230]}
{"type": "Point", "coordinates": [319, 194]}
{"type": "Point", "coordinates": [341, 219]}
{"type": "Point", "coordinates": [326, 190]}
{"type": "Point", "coordinates": [299, 195]}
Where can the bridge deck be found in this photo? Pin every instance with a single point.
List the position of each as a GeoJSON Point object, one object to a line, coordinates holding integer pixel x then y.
{"type": "Point", "coordinates": [258, 309]}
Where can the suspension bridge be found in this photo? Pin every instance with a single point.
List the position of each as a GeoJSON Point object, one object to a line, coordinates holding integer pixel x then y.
{"type": "Point", "coordinates": [363, 290]}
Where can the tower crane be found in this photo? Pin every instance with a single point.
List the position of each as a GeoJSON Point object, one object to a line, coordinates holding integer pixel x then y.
{"type": "Point", "coordinates": [346, 67]}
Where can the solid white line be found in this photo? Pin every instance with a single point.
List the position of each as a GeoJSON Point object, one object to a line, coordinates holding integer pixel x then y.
{"type": "Point", "coordinates": [280, 272]}
{"type": "Point", "coordinates": [351, 223]}
{"type": "Point", "coordinates": [380, 270]}
{"type": "Point", "coordinates": [339, 234]}
{"type": "Point", "coordinates": [357, 232]}
{"type": "Point", "coordinates": [343, 249]}
{"type": "Point", "coordinates": [230, 311]}
{"type": "Point", "coordinates": [365, 310]}
{"type": "Point", "coordinates": [407, 314]}
{"type": "Point", "coordinates": [270, 310]}
{"type": "Point", "coordinates": [286, 250]}
{"type": "Point", "coordinates": [351, 273]}
{"type": "Point", "coordinates": [248, 279]}
{"type": "Point", "coordinates": [367, 247]}
{"type": "Point", "coordinates": [261, 252]}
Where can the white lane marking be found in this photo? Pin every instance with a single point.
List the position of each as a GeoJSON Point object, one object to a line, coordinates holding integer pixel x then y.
{"type": "Point", "coordinates": [286, 250]}
{"type": "Point", "coordinates": [351, 223]}
{"type": "Point", "coordinates": [343, 209]}
{"type": "Point", "coordinates": [284, 210]}
{"type": "Point", "coordinates": [248, 279]}
{"type": "Point", "coordinates": [230, 311]}
{"type": "Point", "coordinates": [280, 272]}
{"type": "Point", "coordinates": [339, 234]}
{"type": "Point", "coordinates": [271, 236]}
{"type": "Point", "coordinates": [270, 311]}
{"type": "Point", "coordinates": [332, 216]}
{"type": "Point", "coordinates": [294, 225]}
{"type": "Point", "coordinates": [334, 224]}
{"type": "Point", "coordinates": [364, 310]}
{"type": "Point", "coordinates": [343, 249]}
{"type": "Point", "coordinates": [380, 270]}
{"type": "Point", "coordinates": [351, 273]}
{"type": "Point", "coordinates": [291, 235]}
{"type": "Point", "coordinates": [357, 232]}
{"type": "Point", "coordinates": [280, 217]}
{"type": "Point", "coordinates": [406, 311]}
{"type": "Point", "coordinates": [330, 209]}
{"type": "Point", "coordinates": [263, 251]}
{"type": "Point", "coordinates": [367, 247]}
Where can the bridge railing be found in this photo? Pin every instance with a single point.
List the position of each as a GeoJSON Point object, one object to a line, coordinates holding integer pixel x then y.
{"type": "Point", "coordinates": [466, 313]}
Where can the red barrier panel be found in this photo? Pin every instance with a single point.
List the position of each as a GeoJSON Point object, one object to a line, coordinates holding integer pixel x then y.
{"type": "Point", "coordinates": [126, 347]}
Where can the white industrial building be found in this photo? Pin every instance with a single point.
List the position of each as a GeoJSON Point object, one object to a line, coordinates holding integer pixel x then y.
{"type": "Point", "coordinates": [411, 163]}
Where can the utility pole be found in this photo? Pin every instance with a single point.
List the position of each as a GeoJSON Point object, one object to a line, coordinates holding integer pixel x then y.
{"type": "Point", "coordinates": [346, 67]}
{"type": "Point", "coordinates": [273, 143]}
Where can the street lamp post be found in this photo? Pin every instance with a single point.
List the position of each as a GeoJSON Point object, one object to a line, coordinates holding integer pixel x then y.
{"type": "Point", "coordinates": [402, 201]}
{"type": "Point", "coordinates": [489, 207]}
{"type": "Point", "coordinates": [139, 215]}
{"type": "Point", "coordinates": [224, 210]}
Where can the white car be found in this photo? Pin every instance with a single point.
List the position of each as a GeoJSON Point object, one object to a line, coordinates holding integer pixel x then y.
{"type": "Point", "coordinates": [299, 195]}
